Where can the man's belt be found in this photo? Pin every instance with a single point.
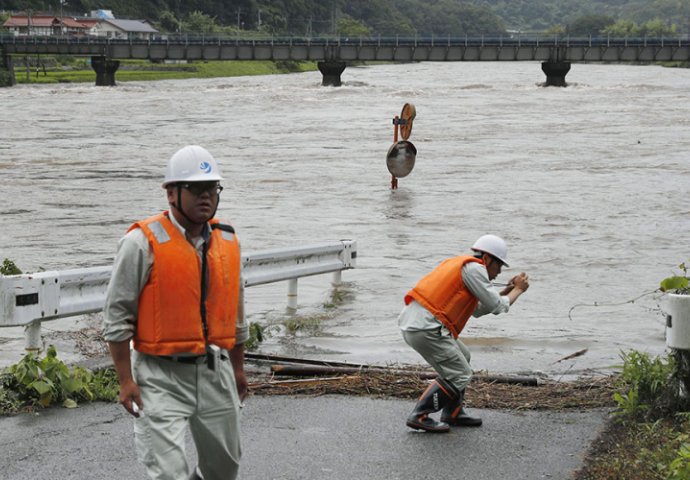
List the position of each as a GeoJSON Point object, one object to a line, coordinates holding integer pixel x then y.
{"type": "Point", "coordinates": [192, 359]}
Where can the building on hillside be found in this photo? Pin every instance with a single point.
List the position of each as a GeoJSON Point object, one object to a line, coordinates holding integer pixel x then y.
{"type": "Point", "coordinates": [119, 29]}
{"type": "Point", "coordinates": [42, 24]}
{"type": "Point", "coordinates": [101, 23]}
{"type": "Point", "coordinates": [102, 14]}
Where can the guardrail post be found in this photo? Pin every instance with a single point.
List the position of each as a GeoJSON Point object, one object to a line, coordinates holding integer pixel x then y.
{"type": "Point", "coordinates": [337, 278]}
{"type": "Point", "coordinates": [32, 338]}
{"type": "Point", "coordinates": [292, 294]}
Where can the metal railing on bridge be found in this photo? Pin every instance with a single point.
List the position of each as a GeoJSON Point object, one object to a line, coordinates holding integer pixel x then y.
{"type": "Point", "coordinates": [29, 299]}
{"type": "Point", "coordinates": [338, 40]}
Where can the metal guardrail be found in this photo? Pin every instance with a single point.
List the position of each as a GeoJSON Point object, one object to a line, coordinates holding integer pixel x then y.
{"type": "Point", "coordinates": [29, 299]}
{"type": "Point", "coordinates": [397, 40]}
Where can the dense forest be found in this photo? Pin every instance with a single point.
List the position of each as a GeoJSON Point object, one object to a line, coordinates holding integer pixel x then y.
{"type": "Point", "coordinates": [388, 17]}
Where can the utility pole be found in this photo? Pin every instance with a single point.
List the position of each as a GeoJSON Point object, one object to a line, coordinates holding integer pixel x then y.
{"type": "Point", "coordinates": [29, 12]}
{"type": "Point", "coordinates": [239, 11]}
{"type": "Point", "coordinates": [259, 21]}
{"type": "Point", "coordinates": [62, 18]}
{"type": "Point", "coordinates": [333, 19]}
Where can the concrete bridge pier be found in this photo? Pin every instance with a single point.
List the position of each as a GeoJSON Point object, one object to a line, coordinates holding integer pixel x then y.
{"type": "Point", "coordinates": [331, 72]}
{"type": "Point", "coordinates": [105, 71]}
{"type": "Point", "coordinates": [7, 78]}
{"type": "Point", "coordinates": [555, 73]}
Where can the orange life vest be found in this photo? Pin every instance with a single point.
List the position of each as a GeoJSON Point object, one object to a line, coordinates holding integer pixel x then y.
{"type": "Point", "coordinates": [169, 317]}
{"type": "Point", "coordinates": [443, 293]}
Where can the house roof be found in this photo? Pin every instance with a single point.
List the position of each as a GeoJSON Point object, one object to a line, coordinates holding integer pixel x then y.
{"type": "Point", "coordinates": [89, 22]}
{"type": "Point", "coordinates": [137, 26]}
{"type": "Point", "coordinates": [129, 26]}
{"type": "Point", "coordinates": [42, 21]}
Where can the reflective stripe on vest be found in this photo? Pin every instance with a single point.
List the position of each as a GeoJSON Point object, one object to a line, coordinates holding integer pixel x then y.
{"type": "Point", "coordinates": [169, 318]}
{"type": "Point", "coordinates": [443, 293]}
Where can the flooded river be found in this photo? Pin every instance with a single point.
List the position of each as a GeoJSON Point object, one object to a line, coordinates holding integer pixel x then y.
{"type": "Point", "coordinates": [588, 184]}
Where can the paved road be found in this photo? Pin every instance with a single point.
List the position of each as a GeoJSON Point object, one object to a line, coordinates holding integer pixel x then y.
{"type": "Point", "coordinates": [329, 437]}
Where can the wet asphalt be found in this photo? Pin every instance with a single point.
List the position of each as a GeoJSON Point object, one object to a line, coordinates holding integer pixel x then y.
{"type": "Point", "coordinates": [327, 437]}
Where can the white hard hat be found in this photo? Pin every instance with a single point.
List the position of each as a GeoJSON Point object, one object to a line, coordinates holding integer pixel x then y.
{"type": "Point", "coordinates": [492, 245]}
{"type": "Point", "coordinates": [191, 164]}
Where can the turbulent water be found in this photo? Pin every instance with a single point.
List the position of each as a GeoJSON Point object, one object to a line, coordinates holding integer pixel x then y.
{"type": "Point", "coordinates": [588, 184]}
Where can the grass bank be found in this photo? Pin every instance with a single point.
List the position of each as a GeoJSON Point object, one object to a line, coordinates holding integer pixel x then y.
{"type": "Point", "coordinates": [79, 71]}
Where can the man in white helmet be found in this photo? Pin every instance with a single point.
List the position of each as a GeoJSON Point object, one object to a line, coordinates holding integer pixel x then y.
{"type": "Point", "coordinates": [437, 309]}
{"type": "Point", "coordinates": [176, 295]}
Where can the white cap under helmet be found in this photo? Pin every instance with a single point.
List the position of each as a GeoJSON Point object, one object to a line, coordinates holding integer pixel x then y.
{"type": "Point", "coordinates": [492, 245]}
{"type": "Point", "coordinates": [191, 164]}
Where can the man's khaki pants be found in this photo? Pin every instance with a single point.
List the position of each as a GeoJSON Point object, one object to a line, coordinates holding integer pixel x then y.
{"type": "Point", "coordinates": [176, 395]}
{"type": "Point", "coordinates": [449, 357]}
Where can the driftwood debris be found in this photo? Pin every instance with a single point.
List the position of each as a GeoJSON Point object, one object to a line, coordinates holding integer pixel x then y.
{"type": "Point", "coordinates": [317, 370]}
{"type": "Point", "coordinates": [573, 355]}
{"type": "Point", "coordinates": [581, 394]}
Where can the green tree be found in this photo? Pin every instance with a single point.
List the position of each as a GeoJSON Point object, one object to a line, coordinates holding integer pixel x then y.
{"type": "Point", "coordinates": [559, 30]}
{"type": "Point", "coordinates": [589, 25]}
{"type": "Point", "coordinates": [657, 28]}
{"type": "Point", "coordinates": [622, 28]}
{"type": "Point", "coordinates": [168, 22]}
{"type": "Point", "coordinates": [198, 22]}
{"type": "Point", "coordinates": [349, 27]}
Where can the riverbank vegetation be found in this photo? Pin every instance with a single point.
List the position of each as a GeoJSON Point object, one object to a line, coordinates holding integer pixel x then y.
{"type": "Point", "coordinates": [647, 437]}
{"type": "Point", "coordinates": [78, 70]}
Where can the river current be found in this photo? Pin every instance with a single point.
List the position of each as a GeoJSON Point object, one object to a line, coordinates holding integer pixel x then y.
{"type": "Point", "coordinates": [588, 184]}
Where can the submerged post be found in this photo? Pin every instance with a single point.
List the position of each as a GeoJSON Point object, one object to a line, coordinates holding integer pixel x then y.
{"type": "Point", "coordinates": [105, 69]}
{"type": "Point", "coordinates": [7, 78]}
{"type": "Point", "coordinates": [555, 73]}
{"type": "Point", "coordinates": [292, 295]}
{"type": "Point", "coordinates": [331, 72]}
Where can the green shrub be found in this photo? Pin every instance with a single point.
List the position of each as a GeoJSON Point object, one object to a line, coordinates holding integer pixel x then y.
{"type": "Point", "coordinates": [679, 469]}
{"type": "Point", "coordinates": [646, 390]}
{"type": "Point", "coordinates": [47, 381]}
{"type": "Point", "coordinates": [9, 268]}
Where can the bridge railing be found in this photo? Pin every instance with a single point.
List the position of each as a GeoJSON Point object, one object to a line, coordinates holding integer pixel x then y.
{"type": "Point", "coordinates": [29, 299]}
{"type": "Point", "coordinates": [426, 40]}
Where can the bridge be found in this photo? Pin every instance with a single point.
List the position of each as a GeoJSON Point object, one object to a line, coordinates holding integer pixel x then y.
{"type": "Point", "coordinates": [332, 54]}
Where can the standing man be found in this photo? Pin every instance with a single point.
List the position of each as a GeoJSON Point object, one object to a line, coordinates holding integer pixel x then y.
{"type": "Point", "coordinates": [437, 309]}
{"type": "Point", "coordinates": [175, 292]}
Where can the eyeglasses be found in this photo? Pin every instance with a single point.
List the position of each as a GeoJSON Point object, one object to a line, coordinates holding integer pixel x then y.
{"type": "Point", "coordinates": [199, 188]}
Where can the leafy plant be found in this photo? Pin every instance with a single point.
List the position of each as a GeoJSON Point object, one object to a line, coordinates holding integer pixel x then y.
{"type": "Point", "coordinates": [9, 268]}
{"type": "Point", "coordinates": [646, 385]}
{"type": "Point", "coordinates": [256, 335]}
{"type": "Point", "coordinates": [305, 325]}
{"type": "Point", "coordinates": [679, 469]}
{"type": "Point", "coordinates": [46, 381]}
{"type": "Point", "coordinates": [677, 283]}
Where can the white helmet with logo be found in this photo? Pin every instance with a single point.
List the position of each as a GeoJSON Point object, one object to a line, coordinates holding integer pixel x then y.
{"type": "Point", "coordinates": [191, 164]}
{"type": "Point", "coordinates": [492, 245]}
